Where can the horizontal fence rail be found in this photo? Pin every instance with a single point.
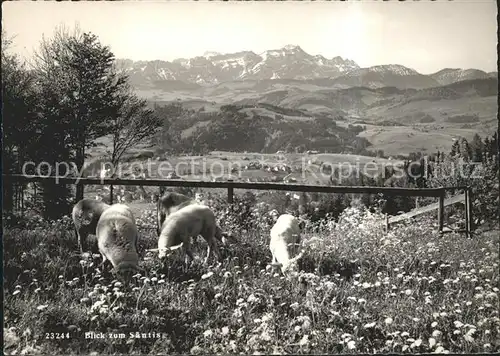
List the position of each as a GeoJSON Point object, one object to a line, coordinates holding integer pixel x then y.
{"type": "Point", "coordinates": [231, 185]}
{"type": "Point", "coordinates": [421, 192]}
{"type": "Point", "coordinates": [426, 209]}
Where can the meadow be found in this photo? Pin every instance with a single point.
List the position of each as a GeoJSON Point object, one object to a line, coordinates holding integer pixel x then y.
{"type": "Point", "coordinates": [306, 168]}
{"type": "Point", "coordinates": [359, 289]}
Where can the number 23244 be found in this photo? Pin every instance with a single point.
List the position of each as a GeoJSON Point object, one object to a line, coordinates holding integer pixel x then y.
{"type": "Point", "coordinates": [56, 336]}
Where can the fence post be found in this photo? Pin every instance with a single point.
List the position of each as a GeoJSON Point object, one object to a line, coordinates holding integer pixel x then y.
{"type": "Point", "coordinates": [469, 210]}
{"type": "Point", "coordinates": [441, 212]}
{"type": "Point", "coordinates": [466, 209]}
{"type": "Point", "coordinates": [111, 194]}
{"type": "Point", "coordinates": [230, 192]}
{"type": "Point", "coordinates": [80, 191]}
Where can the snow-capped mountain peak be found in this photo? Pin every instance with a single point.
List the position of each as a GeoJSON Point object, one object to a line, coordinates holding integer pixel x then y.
{"type": "Point", "coordinates": [288, 62]}
{"type": "Point", "coordinates": [394, 68]}
{"type": "Point", "coordinates": [209, 54]}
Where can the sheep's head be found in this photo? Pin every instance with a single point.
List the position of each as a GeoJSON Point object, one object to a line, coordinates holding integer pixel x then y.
{"type": "Point", "coordinates": [126, 270]}
{"type": "Point", "coordinates": [167, 251]}
{"type": "Point", "coordinates": [292, 264]}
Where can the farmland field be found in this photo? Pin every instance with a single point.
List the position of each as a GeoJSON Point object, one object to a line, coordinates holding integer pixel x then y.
{"type": "Point", "coordinates": [360, 290]}
{"type": "Point", "coordinates": [224, 165]}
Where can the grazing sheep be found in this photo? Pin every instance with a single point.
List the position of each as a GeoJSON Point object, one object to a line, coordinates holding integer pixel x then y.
{"type": "Point", "coordinates": [117, 238]}
{"type": "Point", "coordinates": [169, 204]}
{"type": "Point", "coordinates": [190, 221]}
{"type": "Point", "coordinates": [86, 214]}
{"type": "Point", "coordinates": [285, 241]}
{"type": "Point", "coordinates": [172, 202]}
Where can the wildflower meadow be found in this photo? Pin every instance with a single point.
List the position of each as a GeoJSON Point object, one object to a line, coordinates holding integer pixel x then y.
{"type": "Point", "coordinates": [358, 289]}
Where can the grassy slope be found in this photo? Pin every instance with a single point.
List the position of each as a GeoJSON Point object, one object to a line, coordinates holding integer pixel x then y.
{"type": "Point", "coordinates": [409, 290]}
{"type": "Point", "coordinates": [405, 139]}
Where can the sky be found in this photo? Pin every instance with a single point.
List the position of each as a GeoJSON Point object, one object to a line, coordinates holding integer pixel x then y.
{"type": "Point", "coordinates": [426, 36]}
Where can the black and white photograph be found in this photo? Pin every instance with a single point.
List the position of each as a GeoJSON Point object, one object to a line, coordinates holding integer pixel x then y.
{"type": "Point", "coordinates": [250, 177]}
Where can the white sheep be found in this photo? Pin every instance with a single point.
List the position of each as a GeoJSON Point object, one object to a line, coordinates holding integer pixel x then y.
{"type": "Point", "coordinates": [86, 214]}
{"type": "Point", "coordinates": [285, 241]}
{"type": "Point", "coordinates": [171, 202]}
{"type": "Point", "coordinates": [117, 237]}
{"type": "Point", "coordinates": [190, 221]}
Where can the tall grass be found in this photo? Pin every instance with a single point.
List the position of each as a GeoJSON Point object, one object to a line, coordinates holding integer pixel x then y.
{"type": "Point", "coordinates": [360, 289]}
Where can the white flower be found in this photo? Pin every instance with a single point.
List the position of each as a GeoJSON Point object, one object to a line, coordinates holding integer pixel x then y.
{"type": "Point", "coordinates": [439, 350]}
{"type": "Point", "coordinates": [432, 342]}
{"type": "Point", "coordinates": [207, 275]}
{"type": "Point", "coordinates": [436, 333]}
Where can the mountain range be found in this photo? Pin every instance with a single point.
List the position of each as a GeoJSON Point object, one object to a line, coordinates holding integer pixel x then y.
{"type": "Point", "coordinates": [289, 62]}
{"type": "Point", "coordinates": [401, 109]}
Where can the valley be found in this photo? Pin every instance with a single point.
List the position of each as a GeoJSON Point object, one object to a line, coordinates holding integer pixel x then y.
{"type": "Point", "coordinates": [401, 111]}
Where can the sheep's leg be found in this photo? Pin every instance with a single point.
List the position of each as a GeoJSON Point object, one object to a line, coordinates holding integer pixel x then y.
{"type": "Point", "coordinates": [209, 250]}
{"type": "Point", "coordinates": [103, 262]}
{"type": "Point", "coordinates": [212, 249]}
{"type": "Point", "coordinates": [82, 239]}
{"type": "Point", "coordinates": [215, 248]}
{"type": "Point", "coordinates": [275, 264]}
{"type": "Point", "coordinates": [188, 258]}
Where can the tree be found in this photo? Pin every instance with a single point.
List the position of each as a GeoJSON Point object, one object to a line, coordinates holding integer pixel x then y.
{"type": "Point", "coordinates": [483, 178]}
{"type": "Point", "coordinates": [80, 87]}
{"type": "Point", "coordinates": [477, 148]}
{"type": "Point", "coordinates": [465, 150]}
{"type": "Point", "coordinates": [19, 125]}
{"type": "Point", "coordinates": [134, 124]}
{"type": "Point", "coordinates": [455, 148]}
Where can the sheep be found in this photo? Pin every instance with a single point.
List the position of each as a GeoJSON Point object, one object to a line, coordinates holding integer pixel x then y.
{"type": "Point", "coordinates": [172, 202]}
{"type": "Point", "coordinates": [86, 214]}
{"type": "Point", "coordinates": [168, 204]}
{"type": "Point", "coordinates": [117, 237]}
{"type": "Point", "coordinates": [190, 221]}
{"type": "Point", "coordinates": [285, 241]}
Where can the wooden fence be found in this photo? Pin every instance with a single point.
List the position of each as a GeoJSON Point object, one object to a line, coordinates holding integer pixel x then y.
{"type": "Point", "coordinates": [440, 205]}
{"type": "Point", "coordinates": [439, 193]}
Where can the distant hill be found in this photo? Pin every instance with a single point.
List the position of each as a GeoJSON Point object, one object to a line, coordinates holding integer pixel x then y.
{"type": "Point", "coordinates": [452, 75]}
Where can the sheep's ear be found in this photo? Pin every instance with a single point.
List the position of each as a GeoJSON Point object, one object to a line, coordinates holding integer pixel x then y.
{"type": "Point", "coordinates": [173, 248]}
